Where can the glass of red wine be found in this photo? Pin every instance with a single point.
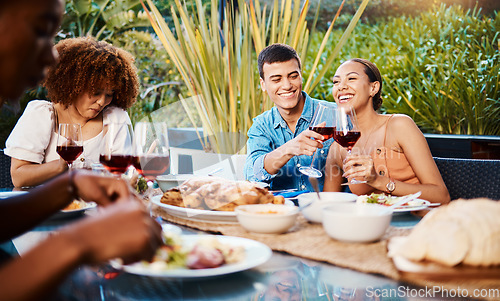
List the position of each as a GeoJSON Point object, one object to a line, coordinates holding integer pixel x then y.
{"type": "Point", "coordinates": [117, 151]}
{"type": "Point", "coordinates": [323, 123]}
{"type": "Point", "coordinates": [151, 149]}
{"type": "Point", "coordinates": [69, 142]}
{"type": "Point", "coordinates": [347, 132]}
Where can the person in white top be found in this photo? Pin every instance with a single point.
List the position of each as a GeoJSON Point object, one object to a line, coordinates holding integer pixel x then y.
{"type": "Point", "coordinates": [92, 85]}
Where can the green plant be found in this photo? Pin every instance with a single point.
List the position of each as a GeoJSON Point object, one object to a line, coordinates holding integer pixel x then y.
{"type": "Point", "coordinates": [101, 18]}
{"type": "Point", "coordinates": [441, 68]}
{"type": "Point", "coordinates": [218, 65]}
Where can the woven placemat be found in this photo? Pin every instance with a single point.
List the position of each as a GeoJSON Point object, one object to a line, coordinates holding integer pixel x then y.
{"type": "Point", "coordinates": [310, 241]}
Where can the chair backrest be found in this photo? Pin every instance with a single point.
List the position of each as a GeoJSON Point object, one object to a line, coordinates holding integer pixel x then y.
{"type": "Point", "coordinates": [5, 179]}
{"type": "Point", "coordinates": [470, 178]}
{"type": "Point", "coordinates": [202, 163]}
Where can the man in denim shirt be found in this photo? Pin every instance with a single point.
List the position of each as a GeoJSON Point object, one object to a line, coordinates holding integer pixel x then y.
{"type": "Point", "coordinates": [279, 141]}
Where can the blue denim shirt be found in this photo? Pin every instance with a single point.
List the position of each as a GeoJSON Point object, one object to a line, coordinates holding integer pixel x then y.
{"type": "Point", "coordinates": [270, 131]}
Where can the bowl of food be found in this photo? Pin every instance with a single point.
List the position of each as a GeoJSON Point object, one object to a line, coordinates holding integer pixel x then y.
{"type": "Point", "coordinates": [167, 182]}
{"type": "Point", "coordinates": [313, 212]}
{"type": "Point", "coordinates": [267, 218]}
{"type": "Point", "coordinates": [351, 222]}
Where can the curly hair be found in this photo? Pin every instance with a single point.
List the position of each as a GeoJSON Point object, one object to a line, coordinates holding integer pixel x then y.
{"type": "Point", "coordinates": [86, 66]}
{"type": "Point", "coordinates": [374, 75]}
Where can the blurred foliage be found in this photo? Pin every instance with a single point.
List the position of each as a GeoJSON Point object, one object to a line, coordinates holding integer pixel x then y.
{"type": "Point", "coordinates": [442, 68]}
{"type": "Point", "coordinates": [101, 19]}
{"type": "Point", "coordinates": [217, 59]}
{"type": "Point", "coordinates": [383, 9]}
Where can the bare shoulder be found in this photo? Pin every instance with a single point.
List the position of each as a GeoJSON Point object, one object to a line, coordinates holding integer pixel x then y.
{"type": "Point", "coordinates": [402, 124]}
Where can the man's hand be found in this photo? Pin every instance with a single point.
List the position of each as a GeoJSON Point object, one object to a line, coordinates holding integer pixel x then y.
{"type": "Point", "coordinates": [101, 189]}
{"type": "Point", "coordinates": [303, 144]}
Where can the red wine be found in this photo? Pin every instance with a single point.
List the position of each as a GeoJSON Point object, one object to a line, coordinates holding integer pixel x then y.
{"type": "Point", "coordinates": [116, 163]}
{"type": "Point", "coordinates": [347, 140]}
{"type": "Point", "coordinates": [326, 131]}
{"type": "Point", "coordinates": [69, 153]}
{"type": "Point", "coordinates": [152, 165]}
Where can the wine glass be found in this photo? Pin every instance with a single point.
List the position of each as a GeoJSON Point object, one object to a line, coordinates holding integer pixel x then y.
{"type": "Point", "coordinates": [117, 152]}
{"type": "Point", "coordinates": [152, 150]}
{"type": "Point", "coordinates": [322, 123]}
{"type": "Point", "coordinates": [69, 142]}
{"type": "Point", "coordinates": [347, 132]}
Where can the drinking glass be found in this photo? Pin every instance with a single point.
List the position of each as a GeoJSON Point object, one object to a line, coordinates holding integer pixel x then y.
{"type": "Point", "coordinates": [323, 123]}
{"type": "Point", "coordinates": [117, 152]}
{"type": "Point", "coordinates": [69, 142]}
{"type": "Point", "coordinates": [347, 132]}
{"type": "Point", "coordinates": [151, 149]}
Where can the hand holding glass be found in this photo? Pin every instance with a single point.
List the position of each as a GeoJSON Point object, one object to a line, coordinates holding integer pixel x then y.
{"type": "Point", "coordinates": [347, 132]}
{"type": "Point", "coordinates": [322, 123]}
{"type": "Point", "coordinates": [69, 142]}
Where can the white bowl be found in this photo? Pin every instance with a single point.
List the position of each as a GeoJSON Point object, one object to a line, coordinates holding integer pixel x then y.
{"type": "Point", "coordinates": [353, 222]}
{"type": "Point", "coordinates": [167, 182]}
{"type": "Point", "coordinates": [313, 213]}
{"type": "Point", "coordinates": [267, 218]}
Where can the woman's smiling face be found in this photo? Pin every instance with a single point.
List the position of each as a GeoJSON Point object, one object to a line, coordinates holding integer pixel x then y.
{"type": "Point", "coordinates": [351, 85]}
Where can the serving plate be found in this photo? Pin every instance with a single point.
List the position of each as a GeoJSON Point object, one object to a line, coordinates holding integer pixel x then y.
{"type": "Point", "coordinates": [208, 216]}
{"type": "Point", "coordinates": [430, 270]}
{"type": "Point", "coordinates": [256, 253]}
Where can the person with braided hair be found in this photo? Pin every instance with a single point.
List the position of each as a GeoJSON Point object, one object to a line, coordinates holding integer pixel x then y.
{"type": "Point", "coordinates": [92, 84]}
{"type": "Point", "coordinates": [392, 154]}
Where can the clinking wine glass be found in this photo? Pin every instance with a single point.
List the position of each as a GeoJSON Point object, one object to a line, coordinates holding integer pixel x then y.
{"type": "Point", "coordinates": [322, 123]}
{"type": "Point", "coordinates": [151, 148]}
{"type": "Point", "coordinates": [347, 132]}
{"type": "Point", "coordinates": [69, 142]}
{"type": "Point", "coordinates": [117, 152]}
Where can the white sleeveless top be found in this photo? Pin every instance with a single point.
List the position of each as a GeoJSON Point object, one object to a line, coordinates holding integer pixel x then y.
{"type": "Point", "coordinates": [34, 138]}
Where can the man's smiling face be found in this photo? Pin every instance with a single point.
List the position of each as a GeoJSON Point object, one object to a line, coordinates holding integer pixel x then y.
{"type": "Point", "coordinates": [283, 83]}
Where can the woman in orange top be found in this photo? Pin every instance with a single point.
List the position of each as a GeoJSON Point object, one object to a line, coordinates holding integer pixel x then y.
{"type": "Point", "coordinates": [392, 155]}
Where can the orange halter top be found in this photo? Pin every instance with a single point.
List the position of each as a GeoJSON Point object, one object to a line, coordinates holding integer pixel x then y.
{"type": "Point", "coordinates": [390, 163]}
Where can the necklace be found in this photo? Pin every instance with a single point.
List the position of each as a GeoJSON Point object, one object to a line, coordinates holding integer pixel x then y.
{"type": "Point", "coordinates": [71, 119]}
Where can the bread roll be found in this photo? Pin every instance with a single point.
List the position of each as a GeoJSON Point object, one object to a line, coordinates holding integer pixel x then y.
{"type": "Point", "coordinates": [465, 231]}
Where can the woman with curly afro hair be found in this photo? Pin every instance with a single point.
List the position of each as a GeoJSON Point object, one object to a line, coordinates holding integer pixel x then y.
{"type": "Point", "coordinates": [92, 84]}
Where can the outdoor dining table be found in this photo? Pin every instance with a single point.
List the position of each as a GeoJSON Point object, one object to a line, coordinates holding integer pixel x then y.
{"type": "Point", "coordinates": [283, 277]}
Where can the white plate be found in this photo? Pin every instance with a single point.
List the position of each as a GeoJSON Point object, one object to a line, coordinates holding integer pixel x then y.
{"type": "Point", "coordinates": [75, 212]}
{"type": "Point", "coordinates": [424, 204]}
{"type": "Point", "coordinates": [8, 194]}
{"type": "Point", "coordinates": [228, 217]}
{"type": "Point", "coordinates": [256, 253]}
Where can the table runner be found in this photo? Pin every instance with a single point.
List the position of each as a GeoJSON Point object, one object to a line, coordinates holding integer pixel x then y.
{"type": "Point", "coordinates": [310, 241]}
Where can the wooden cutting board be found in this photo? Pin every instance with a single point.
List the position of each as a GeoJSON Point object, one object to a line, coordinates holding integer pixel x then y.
{"type": "Point", "coordinates": [434, 271]}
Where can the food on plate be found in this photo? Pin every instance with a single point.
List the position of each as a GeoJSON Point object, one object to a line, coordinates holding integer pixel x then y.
{"type": "Point", "coordinates": [214, 193]}
{"type": "Point", "coordinates": [465, 231]}
{"type": "Point", "coordinates": [208, 252]}
{"type": "Point", "coordinates": [76, 204]}
{"type": "Point", "coordinates": [386, 200]}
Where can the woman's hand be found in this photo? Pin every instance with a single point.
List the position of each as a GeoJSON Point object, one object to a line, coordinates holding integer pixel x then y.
{"type": "Point", "coordinates": [360, 167]}
{"type": "Point", "coordinates": [123, 230]}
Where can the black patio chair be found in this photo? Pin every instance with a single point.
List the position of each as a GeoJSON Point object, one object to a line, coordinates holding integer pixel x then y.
{"type": "Point", "coordinates": [5, 179]}
{"type": "Point", "coordinates": [470, 178]}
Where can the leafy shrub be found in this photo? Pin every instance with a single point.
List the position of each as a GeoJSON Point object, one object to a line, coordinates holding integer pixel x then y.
{"type": "Point", "coordinates": [442, 68]}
